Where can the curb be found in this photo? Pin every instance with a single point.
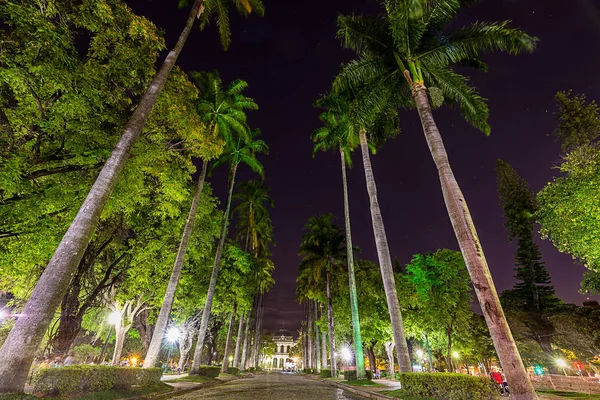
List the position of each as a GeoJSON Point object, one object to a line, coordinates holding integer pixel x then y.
{"type": "Point", "coordinates": [180, 392]}
{"type": "Point", "coordinates": [353, 389]}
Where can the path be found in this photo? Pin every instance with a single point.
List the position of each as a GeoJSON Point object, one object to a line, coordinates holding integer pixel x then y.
{"type": "Point", "coordinates": [272, 385]}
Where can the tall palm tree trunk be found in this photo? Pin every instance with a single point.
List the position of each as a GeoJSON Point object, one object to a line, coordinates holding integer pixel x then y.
{"type": "Point", "coordinates": [330, 327]}
{"type": "Point", "coordinates": [385, 261]}
{"type": "Point", "coordinates": [238, 343]}
{"type": "Point", "coordinates": [389, 349]}
{"type": "Point", "coordinates": [167, 305]}
{"type": "Point", "coordinates": [213, 279]}
{"type": "Point", "coordinates": [18, 350]}
{"type": "Point", "coordinates": [258, 332]}
{"type": "Point", "coordinates": [242, 365]}
{"type": "Point", "coordinates": [464, 229]}
{"type": "Point", "coordinates": [323, 344]}
{"type": "Point", "coordinates": [358, 345]}
{"type": "Point", "coordinates": [317, 339]}
{"type": "Point", "coordinates": [228, 343]}
{"type": "Point", "coordinates": [309, 332]}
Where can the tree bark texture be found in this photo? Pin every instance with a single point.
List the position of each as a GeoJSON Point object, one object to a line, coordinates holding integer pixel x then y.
{"type": "Point", "coordinates": [464, 229]}
{"type": "Point", "coordinates": [356, 336]}
{"type": "Point", "coordinates": [18, 350]}
{"type": "Point", "coordinates": [213, 279]}
{"type": "Point", "coordinates": [167, 304]}
{"type": "Point", "coordinates": [330, 327]}
{"type": "Point", "coordinates": [245, 346]}
{"type": "Point", "coordinates": [238, 343]}
{"type": "Point", "coordinates": [385, 261]}
{"type": "Point", "coordinates": [317, 339]}
{"type": "Point", "coordinates": [309, 337]}
{"type": "Point", "coordinates": [389, 349]}
{"type": "Point", "coordinates": [228, 343]}
{"type": "Point", "coordinates": [323, 344]}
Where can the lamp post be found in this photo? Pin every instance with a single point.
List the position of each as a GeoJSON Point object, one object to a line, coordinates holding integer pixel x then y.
{"type": "Point", "coordinates": [113, 319]}
{"type": "Point", "coordinates": [172, 336]}
{"type": "Point", "coordinates": [561, 363]}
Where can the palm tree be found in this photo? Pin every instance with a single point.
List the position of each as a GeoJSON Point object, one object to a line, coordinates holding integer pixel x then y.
{"type": "Point", "coordinates": [324, 250]}
{"type": "Point", "coordinates": [223, 110]}
{"type": "Point", "coordinates": [18, 350]}
{"type": "Point", "coordinates": [336, 134]}
{"type": "Point", "coordinates": [253, 225]}
{"type": "Point", "coordinates": [407, 46]}
{"type": "Point", "coordinates": [238, 151]}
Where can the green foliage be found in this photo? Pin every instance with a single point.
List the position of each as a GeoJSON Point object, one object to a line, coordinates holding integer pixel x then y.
{"type": "Point", "coordinates": [578, 120]}
{"type": "Point", "coordinates": [307, 371]}
{"type": "Point", "coordinates": [325, 373]}
{"type": "Point", "coordinates": [350, 375]}
{"type": "Point", "coordinates": [448, 386]}
{"type": "Point", "coordinates": [208, 371]}
{"type": "Point", "coordinates": [369, 374]}
{"type": "Point", "coordinates": [85, 351]}
{"type": "Point", "coordinates": [397, 41]}
{"type": "Point", "coordinates": [233, 371]}
{"type": "Point", "coordinates": [80, 379]}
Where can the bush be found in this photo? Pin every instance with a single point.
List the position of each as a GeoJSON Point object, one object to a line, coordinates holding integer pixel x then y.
{"type": "Point", "coordinates": [233, 371]}
{"type": "Point", "coordinates": [368, 374]}
{"type": "Point", "coordinates": [325, 373]}
{"type": "Point", "coordinates": [79, 379]}
{"type": "Point", "coordinates": [350, 375]}
{"type": "Point", "coordinates": [208, 371]}
{"type": "Point", "coordinates": [448, 386]}
{"type": "Point", "coordinates": [307, 370]}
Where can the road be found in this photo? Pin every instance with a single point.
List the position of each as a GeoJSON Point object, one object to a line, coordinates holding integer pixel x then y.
{"type": "Point", "coordinates": [272, 386]}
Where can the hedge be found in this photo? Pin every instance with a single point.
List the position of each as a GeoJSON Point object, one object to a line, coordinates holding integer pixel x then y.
{"type": "Point", "coordinates": [350, 375]}
{"type": "Point", "coordinates": [92, 378]}
{"type": "Point", "coordinates": [307, 370]}
{"type": "Point", "coordinates": [368, 374]}
{"type": "Point", "coordinates": [325, 373]}
{"type": "Point", "coordinates": [233, 371]}
{"type": "Point", "coordinates": [208, 371]}
{"type": "Point", "coordinates": [448, 386]}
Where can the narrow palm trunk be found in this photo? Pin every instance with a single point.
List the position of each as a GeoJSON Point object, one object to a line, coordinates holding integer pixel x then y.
{"type": "Point", "coordinates": [385, 261]}
{"type": "Point", "coordinates": [167, 305]}
{"type": "Point", "coordinates": [317, 340]}
{"type": "Point", "coordinates": [225, 365]}
{"type": "Point", "coordinates": [323, 344]}
{"type": "Point", "coordinates": [356, 336]}
{"type": "Point", "coordinates": [309, 331]}
{"type": "Point", "coordinates": [258, 332]}
{"type": "Point", "coordinates": [245, 346]}
{"type": "Point", "coordinates": [464, 229]}
{"type": "Point", "coordinates": [18, 350]}
{"type": "Point", "coordinates": [330, 327]}
{"type": "Point", "coordinates": [238, 343]}
{"type": "Point", "coordinates": [213, 279]}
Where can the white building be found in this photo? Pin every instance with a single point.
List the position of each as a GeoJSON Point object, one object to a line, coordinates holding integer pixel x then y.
{"type": "Point", "coordinates": [284, 342]}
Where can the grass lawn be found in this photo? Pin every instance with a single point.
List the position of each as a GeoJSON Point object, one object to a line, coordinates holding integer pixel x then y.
{"type": "Point", "coordinates": [363, 382]}
{"type": "Point", "coordinates": [17, 397]}
{"type": "Point", "coordinates": [192, 378]}
{"type": "Point", "coordinates": [558, 394]}
{"type": "Point", "coordinates": [401, 394]}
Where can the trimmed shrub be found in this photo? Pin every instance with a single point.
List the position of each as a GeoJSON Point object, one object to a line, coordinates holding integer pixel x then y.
{"type": "Point", "coordinates": [307, 370]}
{"type": "Point", "coordinates": [448, 386]}
{"type": "Point", "coordinates": [251, 369]}
{"type": "Point", "coordinates": [325, 373]}
{"type": "Point", "coordinates": [368, 374]}
{"type": "Point", "coordinates": [233, 371]}
{"type": "Point", "coordinates": [79, 379]}
{"type": "Point", "coordinates": [350, 375]}
{"type": "Point", "coordinates": [208, 371]}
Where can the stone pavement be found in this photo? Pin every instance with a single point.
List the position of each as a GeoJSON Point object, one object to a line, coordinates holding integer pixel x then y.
{"type": "Point", "coordinates": [272, 385]}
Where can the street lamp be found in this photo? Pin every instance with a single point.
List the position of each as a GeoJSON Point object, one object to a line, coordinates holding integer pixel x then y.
{"type": "Point", "coordinates": [561, 363]}
{"type": "Point", "coordinates": [172, 336]}
{"type": "Point", "coordinates": [113, 319]}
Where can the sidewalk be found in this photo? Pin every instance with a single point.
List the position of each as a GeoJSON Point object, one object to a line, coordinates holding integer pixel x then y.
{"type": "Point", "coordinates": [369, 392]}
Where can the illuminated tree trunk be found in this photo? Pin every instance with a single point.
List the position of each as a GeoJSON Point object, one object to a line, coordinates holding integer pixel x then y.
{"type": "Point", "coordinates": [356, 336]}
{"type": "Point", "coordinates": [18, 350]}
{"type": "Point", "coordinates": [330, 327]}
{"type": "Point", "coordinates": [385, 261]}
{"type": "Point", "coordinates": [245, 346]}
{"type": "Point", "coordinates": [317, 339]}
{"type": "Point", "coordinates": [389, 349]}
{"type": "Point", "coordinates": [464, 229]}
{"type": "Point", "coordinates": [213, 279]}
{"type": "Point", "coordinates": [167, 304]}
{"type": "Point", "coordinates": [323, 344]}
{"type": "Point", "coordinates": [228, 343]}
{"type": "Point", "coordinates": [238, 343]}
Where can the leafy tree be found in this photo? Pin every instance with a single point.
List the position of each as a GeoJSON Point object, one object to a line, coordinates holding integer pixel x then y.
{"type": "Point", "coordinates": [400, 51]}
{"type": "Point", "coordinates": [18, 350]}
{"type": "Point", "coordinates": [578, 122]}
{"type": "Point", "coordinates": [335, 134]}
{"type": "Point", "coordinates": [442, 286]}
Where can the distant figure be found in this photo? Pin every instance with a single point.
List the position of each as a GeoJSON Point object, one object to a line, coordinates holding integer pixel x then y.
{"type": "Point", "coordinates": [56, 363]}
{"type": "Point", "coordinates": [70, 360]}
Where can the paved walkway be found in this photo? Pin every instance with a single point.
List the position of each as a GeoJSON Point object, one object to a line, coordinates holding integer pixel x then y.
{"type": "Point", "coordinates": [272, 385]}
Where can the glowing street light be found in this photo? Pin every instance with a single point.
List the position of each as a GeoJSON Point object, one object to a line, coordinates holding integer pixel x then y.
{"type": "Point", "coordinates": [346, 354]}
{"type": "Point", "coordinates": [173, 334]}
{"type": "Point", "coordinates": [420, 354]}
{"type": "Point", "coordinates": [561, 363]}
{"type": "Point", "coordinates": [455, 354]}
{"type": "Point", "coordinates": [113, 319]}
{"type": "Point", "coordinates": [3, 315]}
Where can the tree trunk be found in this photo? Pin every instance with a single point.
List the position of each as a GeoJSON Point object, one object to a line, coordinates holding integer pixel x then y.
{"type": "Point", "coordinates": [372, 360]}
{"type": "Point", "coordinates": [213, 279]}
{"type": "Point", "coordinates": [258, 332]}
{"type": "Point", "coordinates": [238, 342]}
{"type": "Point", "coordinates": [449, 357]}
{"type": "Point", "coordinates": [389, 349]}
{"type": "Point", "coordinates": [121, 331]}
{"type": "Point", "coordinates": [323, 345]}
{"type": "Point", "coordinates": [167, 304]}
{"type": "Point", "coordinates": [385, 261]}
{"type": "Point", "coordinates": [330, 327]}
{"type": "Point", "coordinates": [317, 339]}
{"type": "Point", "coordinates": [245, 346]}
{"type": "Point", "coordinates": [225, 365]}
{"type": "Point", "coordinates": [464, 229]}
{"type": "Point", "coordinates": [18, 350]}
{"type": "Point", "coordinates": [356, 336]}
{"type": "Point", "coordinates": [309, 332]}
{"type": "Point", "coordinates": [186, 341]}
{"type": "Point", "coordinates": [140, 323]}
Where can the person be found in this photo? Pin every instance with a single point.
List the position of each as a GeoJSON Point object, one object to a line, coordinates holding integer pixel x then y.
{"type": "Point", "coordinates": [377, 374]}
{"type": "Point", "coordinates": [70, 360]}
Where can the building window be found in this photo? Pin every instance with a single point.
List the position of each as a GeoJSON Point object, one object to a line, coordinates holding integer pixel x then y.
{"type": "Point", "coordinates": [288, 349]}
{"type": "Point", "coordinates": [275, 363]}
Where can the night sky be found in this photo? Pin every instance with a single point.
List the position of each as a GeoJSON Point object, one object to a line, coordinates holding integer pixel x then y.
{"type": "Point", "coordinates": [290, 57]}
